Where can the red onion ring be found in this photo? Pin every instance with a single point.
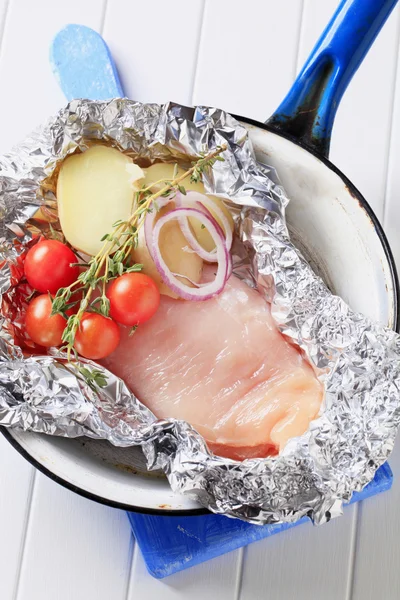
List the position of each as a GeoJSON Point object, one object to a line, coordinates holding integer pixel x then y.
{"type": "Point", "coordinates": [194, 283]}
{"type": "Point", "coordinates": [201, 202]}
{"type": "Point", "coordinates": [212, 288]}
{"type": "Point", "coordinates": [187, 231]}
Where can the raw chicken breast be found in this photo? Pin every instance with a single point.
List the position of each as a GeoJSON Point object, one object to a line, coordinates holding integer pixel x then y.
{"type": "Point", "coordinates": [223, 366]}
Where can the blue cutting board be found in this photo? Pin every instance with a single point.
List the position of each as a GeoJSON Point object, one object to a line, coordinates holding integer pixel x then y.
{"type": "Point", "coordinates": [171, 544]}
{"type": "Point", "coordinates": [84, 68]}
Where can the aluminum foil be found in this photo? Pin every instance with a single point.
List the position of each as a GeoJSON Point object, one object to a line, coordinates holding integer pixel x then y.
{"type": "Point", "coordinates": [357, 360]}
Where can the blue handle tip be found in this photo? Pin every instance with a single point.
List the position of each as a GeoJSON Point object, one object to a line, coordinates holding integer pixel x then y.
{"type": "Point", "coordinates": [83, 65]}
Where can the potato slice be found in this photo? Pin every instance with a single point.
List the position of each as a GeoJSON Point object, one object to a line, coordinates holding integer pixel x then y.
{"type": "Point", "coordinates": [95, 189]}
{"type": "Point", "coordinates": [165, 171]}
{"type": "Point", "coordinates": [174, 249]}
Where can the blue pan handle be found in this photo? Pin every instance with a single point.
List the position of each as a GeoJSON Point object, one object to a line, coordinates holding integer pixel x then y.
{"type": "Point", "coordinates": [308, 111]}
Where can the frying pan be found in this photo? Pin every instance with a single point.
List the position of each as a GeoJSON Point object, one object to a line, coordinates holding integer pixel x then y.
{"type": "Point", "coordinates": [329, 220]}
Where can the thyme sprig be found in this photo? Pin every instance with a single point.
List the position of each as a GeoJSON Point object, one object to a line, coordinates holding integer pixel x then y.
{"type": "Point", "coordinates": [114, 257]}
{"type": "Point", "coordinates": [93, 377]}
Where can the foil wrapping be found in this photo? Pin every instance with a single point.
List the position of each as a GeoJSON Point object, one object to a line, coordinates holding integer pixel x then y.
{"type": "Point", "coordinates": [357, 360]}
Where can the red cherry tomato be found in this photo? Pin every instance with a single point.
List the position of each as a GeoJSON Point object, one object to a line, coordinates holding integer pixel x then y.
{"type": "Point", "coordinates": [97, 336]}
{"type": "Point", "coordinates": [42, 328]}
{"type": "Point", "coordinates": [47, 266]}
{"type": "Point", "coordinates": [134, 298]}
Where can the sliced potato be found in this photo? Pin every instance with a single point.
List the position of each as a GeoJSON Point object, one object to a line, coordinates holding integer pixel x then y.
{"type": "Point", "coordinates": [177, 255]}
{"type": "Point", "coordinates": [95, 189]}
{"type": "Point", "coordinates": [165, 171]}
{"type": "Point", "coordinates": [173, 246]}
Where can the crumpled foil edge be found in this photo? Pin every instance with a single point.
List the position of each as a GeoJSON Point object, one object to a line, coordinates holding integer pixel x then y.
{"type": "Point", "coordinates": [357, 360]}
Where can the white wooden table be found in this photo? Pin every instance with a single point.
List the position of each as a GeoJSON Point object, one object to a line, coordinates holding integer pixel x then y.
{"type": "Point", "coordinates": [240, 56]}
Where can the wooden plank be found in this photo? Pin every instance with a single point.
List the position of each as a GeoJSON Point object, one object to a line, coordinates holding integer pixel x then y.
{"type": "Point", "coordinates": [215, 579]}
{"type": "Point", "coordinates": [16, 479]}
{"type": "Point", "coordinates": [32, 92]}
{"type": "Point", "coordinates": [392, 205]}
{"type": "Point", "coordinates": [155, 46]}
{"type": "Point", "coordinates": [74, 548]}
{"type": "Point", "coordinates": [362, 128]}
{"type": "Point", "coordinates": [302, 563]}
{"type": "Point", "coordinates": [16, 475]}
{"type": "Point", "coordinates": [4, 6]}
{"type": "Point", "coordinates": [376, 573]}
{"type": "Point", "coordinates": [377, 556]}
{"type": "Point", "coordinates": [247, 55]}
{"type": "Point", "coordinates": [68, 539]}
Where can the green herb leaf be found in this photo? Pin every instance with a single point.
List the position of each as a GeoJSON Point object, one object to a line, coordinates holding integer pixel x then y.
{"type": "Point", "coordinates": [111, 265]}
{"type": "Point", "coordinates": [56, 235]}
{"type": "Point", "coordinates": [134, 268]}
{"type": "Point", "coordinates": [105, 306]}
{"type": "Point", "coordinates": [93, 377]}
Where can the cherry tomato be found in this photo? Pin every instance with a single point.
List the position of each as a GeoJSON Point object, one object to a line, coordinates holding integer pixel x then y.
{"type": "Point", "coordinates": [42, 328]}
{"type": "Point", "coordinates": [47, 266]}
{"type": "Point", "coordinates": [134, 298]}
{"type": "Point", "coordinates": [97, 336]}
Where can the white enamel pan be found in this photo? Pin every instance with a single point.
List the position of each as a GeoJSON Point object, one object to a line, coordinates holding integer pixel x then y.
{"type": "Point", "coordinates": [329, 219]}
